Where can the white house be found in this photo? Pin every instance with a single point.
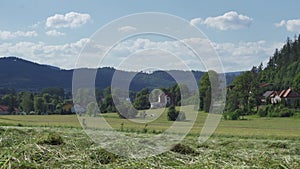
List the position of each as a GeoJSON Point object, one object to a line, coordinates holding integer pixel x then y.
{"type": "Point", "coordinates": [163, 100]}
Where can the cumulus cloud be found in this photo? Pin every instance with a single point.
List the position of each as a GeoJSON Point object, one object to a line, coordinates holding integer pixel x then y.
{"type": "Point", "coordinates": [196, 21]}
{"type": "Point", "coordinates": [64, 56]}
{"type": "Point", "coordinates": [234, 56]}
{"type": "Point", "coordinates": [68, 20]}
{"type": "Point", "coordinates": [4, 35]}
{"type": "Point", "coordinates": [280, 24]}
{"type": "Point", "coordinates": [55, 33]}
{"type": "Point", "coordinates": [290, 25]}
{"type": "Point", "coordinates": [244, 55]}
{"type": "Point", "coordinates": [145, 52]}
{"type": "Point", "coordinates": [229, 21]}
{"type": "Point", "coordinates": [127, 29]}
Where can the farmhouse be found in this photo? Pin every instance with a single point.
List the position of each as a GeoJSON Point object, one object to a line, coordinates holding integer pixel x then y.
{"type": "Point", "coordinates": [163, 100]}
{"type": "Point", "coordinates": [288, 95]}
{"type": "Point", "coordinates": [4, 110]}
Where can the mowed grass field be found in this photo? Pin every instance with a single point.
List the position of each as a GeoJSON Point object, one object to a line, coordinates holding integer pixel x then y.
{"type": "Point", "coordinates": [58, 141]}
{"type": "Point", "coordinates": [250, 127]}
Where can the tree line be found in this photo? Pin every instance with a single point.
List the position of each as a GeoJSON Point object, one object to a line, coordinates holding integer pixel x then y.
{"type": "Point", "coordinates": [245, 92]}
{"type": "Point", "coordinates": [47, 101]}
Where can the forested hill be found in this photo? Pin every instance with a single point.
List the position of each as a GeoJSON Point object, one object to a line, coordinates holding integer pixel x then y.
{"type": "Point", "coordinates": [283, 68]}
{"type": "Point", "coordinates": [20, 74]}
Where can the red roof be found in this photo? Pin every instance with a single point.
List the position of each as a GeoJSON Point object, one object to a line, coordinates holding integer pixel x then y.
{"type": "Point", "coordinates": [288, 93]}
{"type": "Point", "coordinates": [3, 108]}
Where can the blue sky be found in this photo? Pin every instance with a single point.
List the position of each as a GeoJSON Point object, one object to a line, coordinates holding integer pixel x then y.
{"type": "Point", "coordinates": [244, 33]}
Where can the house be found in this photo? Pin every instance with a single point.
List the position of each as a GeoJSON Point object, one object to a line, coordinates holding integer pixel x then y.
{"type": "Point", "coordinates": [266, 95]}
{"type": "Point", "coordinates": [4, 110]}
{"type": "Point", "coordinates": [288, 95]}
{"type": "Point", "coordinates": [163, 101]}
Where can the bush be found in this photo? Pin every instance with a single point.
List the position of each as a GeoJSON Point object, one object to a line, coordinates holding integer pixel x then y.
{"type": "Point", "coordinates": [279, 111]}
{"type": "Point", "coordinates": [262, 112]}
{"type": "Point", "coordinates": [233, 115]}
{"type": "Point", "coordinates": [174, 115]}
{"type": "Point", "coordinates": [286, 113]}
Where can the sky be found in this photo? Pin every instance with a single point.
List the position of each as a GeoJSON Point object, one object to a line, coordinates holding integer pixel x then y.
{"type": "Point", "coordinates": [54, 32]}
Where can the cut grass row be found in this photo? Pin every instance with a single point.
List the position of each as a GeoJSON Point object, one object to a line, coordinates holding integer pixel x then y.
{"type": "Point", "coordinates": [71, 148]}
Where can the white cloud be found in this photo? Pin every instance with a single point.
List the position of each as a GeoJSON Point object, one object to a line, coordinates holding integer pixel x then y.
{"type": "Point", "coordinates": [196, 21]}
{"type": "Point", "coordinates": [229, 21]}
{"type": "Point", "coordinates": [64, 56]}
{"type": "Point", "coordinates": [280, 24]}
{"type": "Point", "coordinates": [69, 20]}
{"type": "Point", "coordinates": [127, 29]}
{"type": "Point", "coordinates": [244, 55]}
{"type": "Point", "coordinates": [55, 33]}
{"type": "Point", "coordinates": [235, 57]}
{"type": "Point", "coordinates": [4, 35]}
{"type": "Point", "coordinates": [291, 25]}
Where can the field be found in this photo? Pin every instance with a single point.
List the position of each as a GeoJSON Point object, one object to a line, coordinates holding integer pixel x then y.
{"type": "Point", "coordinates": [57, 141]}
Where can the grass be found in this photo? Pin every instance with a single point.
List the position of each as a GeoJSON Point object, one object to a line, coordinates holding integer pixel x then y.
{"type": "Point", "coordinates": [40, 120]}
{"type": "Point", "coordinates": [57, 141]}
{"type": "Point", "coordinates": [251, 127]}
{"type": "Point", "coordinates": [34, 148]}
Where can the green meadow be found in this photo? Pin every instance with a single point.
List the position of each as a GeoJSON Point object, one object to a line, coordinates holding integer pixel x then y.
{"type": "Point", "coordinates": [58, 141]}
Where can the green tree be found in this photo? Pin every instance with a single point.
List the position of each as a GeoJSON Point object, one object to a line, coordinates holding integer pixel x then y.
{"type": "Point", "coordinates": [246, 93]}
{"type": "Point", "coordinates": [207, 100]}
{"type": "Point", "coordinates": [27, 102]}
{"type": "Point", "coordinates": [39, 106]}
{"type": "Point", "coordinates": [296, 83]}
{"type": "Point", "coordinates": [141, 101]}
{"type": "Point", "coordinates": [172, 113]}
{"type": "Point", "coordinates": [11, 101]}
{"type": "Point", "coordinates": [84, 96]}
{"type": "Point", "coordinates": [204, 86]}
{"type": "Point", "coordinates": [153, 96]}
{"type": "Point", "coordinates": [232, 102]}
{"type": "Point", "coordinates": [54, 91]}
{"type": "Point", "coordinates": [92, 109]}
{"type": "Point", "coordinates": [175, 91]}
{"type": "Point", "coordinates": [208, 83]}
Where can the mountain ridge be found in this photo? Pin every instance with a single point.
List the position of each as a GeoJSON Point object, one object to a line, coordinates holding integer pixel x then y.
{"type": "Point", "coordinates": [22, 74]}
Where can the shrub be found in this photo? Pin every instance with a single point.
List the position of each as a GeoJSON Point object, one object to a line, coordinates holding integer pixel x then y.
{"type": "Point", "coordinates": [286, 113]}
{"type": "Point", "coordinates": [279, 111]}
{"type": "Point", "coordinates": [233, 115]}
{"type": "Point", "coordinates": [262, 112]}
{"type": "Point", "coordinates": [174, 115]}
{"type": "Point", "coordinates": [296, 104]}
